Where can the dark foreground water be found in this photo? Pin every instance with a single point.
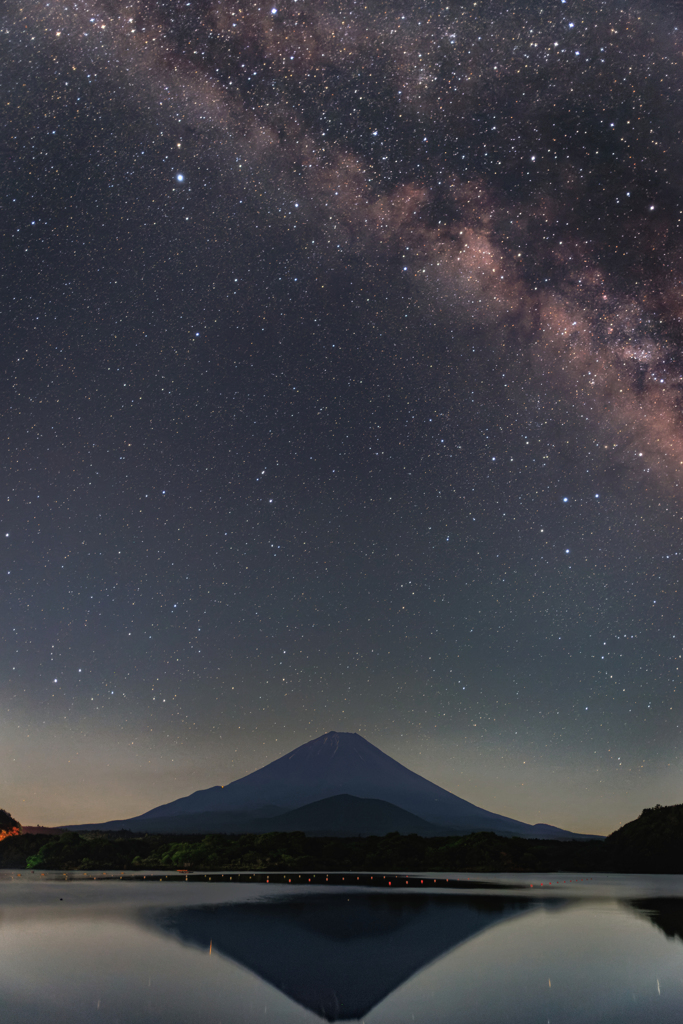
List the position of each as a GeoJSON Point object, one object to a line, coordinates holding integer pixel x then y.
{"type": "Point", "coordinates": [76, 950]}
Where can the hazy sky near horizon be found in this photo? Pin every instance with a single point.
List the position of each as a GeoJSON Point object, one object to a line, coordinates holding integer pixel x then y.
{"type": "Point", "coordinates": [342, 383]}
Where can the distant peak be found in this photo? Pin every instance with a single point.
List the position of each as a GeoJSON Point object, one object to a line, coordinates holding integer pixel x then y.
{"type": "Point", "coordinates": [334, 743]}
{"type": "Point", "coordinates": [340, 739]}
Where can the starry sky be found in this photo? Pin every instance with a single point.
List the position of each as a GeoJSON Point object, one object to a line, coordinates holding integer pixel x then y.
{"type": "Point", "coordinates": [341, 389]}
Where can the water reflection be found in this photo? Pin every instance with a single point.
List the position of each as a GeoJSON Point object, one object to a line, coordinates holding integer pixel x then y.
{"type": "Point", "coordinates": [74, 952]}
{"type": "Point", "coordinates": [665, 913]}
{"type": "Point", "coordinates": [339, 954]}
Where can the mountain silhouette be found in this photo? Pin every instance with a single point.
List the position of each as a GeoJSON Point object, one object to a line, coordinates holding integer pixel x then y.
{"type": "Point", "coordinates": [336, 764]}
{"type": "Point", "coordinates": [348, 815]}
{"type": "Point", "coordinates": [335, 816]}
{"type": "Point", "coordinates": [339, 954]}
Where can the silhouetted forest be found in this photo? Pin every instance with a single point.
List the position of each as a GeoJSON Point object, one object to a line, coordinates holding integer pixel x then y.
{"type": "Point", "coordinates": [7, 822]}
{"type": "Point", "coordinates": [651, 843]}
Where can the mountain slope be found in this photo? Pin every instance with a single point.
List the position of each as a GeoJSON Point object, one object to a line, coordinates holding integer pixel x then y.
{"type": "Point", "coordinates": [334, 816]}
{"type": "Point", "coordinates": [335, 764]}
{"type": "Point", "coordinates": [351, 816]}
{"type": "Point", "coordinates": [652, 842]}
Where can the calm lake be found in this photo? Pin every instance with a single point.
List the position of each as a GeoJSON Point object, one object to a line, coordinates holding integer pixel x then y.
{"type": "Point", "coordinates": [74, 949]}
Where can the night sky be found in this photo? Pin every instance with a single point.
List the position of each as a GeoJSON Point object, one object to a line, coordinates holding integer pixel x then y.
{"type": "Point", "coordinates": [342, 388]}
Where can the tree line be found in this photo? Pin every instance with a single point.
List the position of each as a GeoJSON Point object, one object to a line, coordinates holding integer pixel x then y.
{"type": "Point", "coordinates": [651, 843]}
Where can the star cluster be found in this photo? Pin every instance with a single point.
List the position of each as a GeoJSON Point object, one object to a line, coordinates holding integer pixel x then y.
{"type": "Point", "coordinates": [342, 389]}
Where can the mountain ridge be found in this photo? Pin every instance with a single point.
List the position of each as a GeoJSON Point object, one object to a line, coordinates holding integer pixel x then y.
{"type": "Point", "coordinates": [335, 816]}
{"type": "Point", "coordinates": [336, 764]}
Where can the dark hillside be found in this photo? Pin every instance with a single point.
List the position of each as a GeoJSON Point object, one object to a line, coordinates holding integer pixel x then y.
{"type": "Point", "coordinates": [7, 822]}
{"type": "Point", "coordinates": [651, 843]}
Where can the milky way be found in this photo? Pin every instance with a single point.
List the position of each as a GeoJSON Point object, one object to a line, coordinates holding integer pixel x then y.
{"type": "Point", "coordinates": [344, 391]}
{"type": "Point", "coordinates": [518, 166]}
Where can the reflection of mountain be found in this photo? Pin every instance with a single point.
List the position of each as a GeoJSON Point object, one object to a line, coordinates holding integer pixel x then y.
{"type": "Point", "coordinates": [339, 955]}
{"type": "Point", "coordinates": [665, 913]}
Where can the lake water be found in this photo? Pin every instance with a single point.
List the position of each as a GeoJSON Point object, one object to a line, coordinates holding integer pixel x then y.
{"type": "Point", "coordinates": [78, 950]}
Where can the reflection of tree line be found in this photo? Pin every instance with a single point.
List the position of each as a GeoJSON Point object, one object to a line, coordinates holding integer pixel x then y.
{"type": "Point", "coordinates": [665, 913]}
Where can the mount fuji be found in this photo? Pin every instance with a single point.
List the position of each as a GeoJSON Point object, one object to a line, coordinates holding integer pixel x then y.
{"type": "Point", "coordinates": [337, 764]}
